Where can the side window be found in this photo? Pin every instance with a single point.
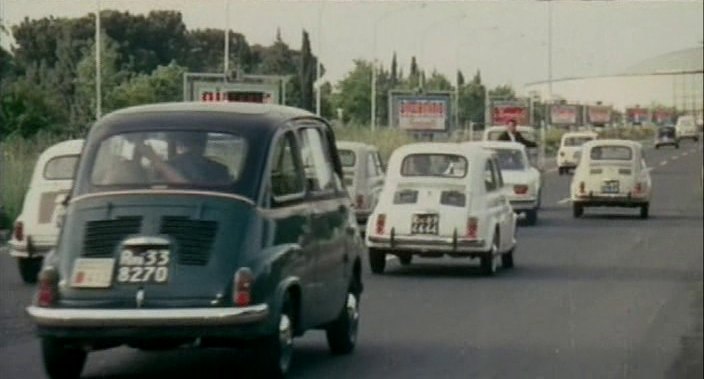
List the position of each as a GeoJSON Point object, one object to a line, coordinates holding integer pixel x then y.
{"type": "Point", "coordinates": [498, 175]}
{"type": "Point", "coordinates": [379, 165]}
{"type": "Point", "coordinates": [286, 176]}
{"type": "Point", "coordinates": [318, 168]}
{"type": "Point", "coordinates": [371, 166]}
{"type": "Point", "coordinates": [489, 178]}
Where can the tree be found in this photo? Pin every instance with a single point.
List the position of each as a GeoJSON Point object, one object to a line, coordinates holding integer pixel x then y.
{"type": "Point", "coordinates": [437, 82]}
{"type": "Point", "coordinates": [306, 74]}
{"type": "Point", "coordinates": [460, 79]}
{"type": "Point", "coordinates": [355, 90]}
{"type": "Point", "coordinates": [24, 110]}
{"type": "Point", "coordinates": [414, 74]}
{"type": "Point", "coordinates": [164, 84]}
{"type": "Point", "coordinates": [504, 92]}
{"type": "Point", "coordinates": [472, 101]}
{"type": "Point", "coordinates": [394, 71]}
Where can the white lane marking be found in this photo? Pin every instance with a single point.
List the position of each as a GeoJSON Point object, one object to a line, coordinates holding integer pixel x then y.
{"type": "Point", "coordinates": [551, 171]}
{"type": "Point", "coordinates": [686, 153]}
{"type": "Point", "coordinates": [663, 163]}
{"type": "Point", "coordinates": [675, 157]}
{"type": "Point", "coordinates": [564, 201]}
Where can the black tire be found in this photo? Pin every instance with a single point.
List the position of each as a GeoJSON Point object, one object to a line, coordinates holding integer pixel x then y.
{"type": "Point", "coordinates": [677, 146]}
{"type": "Point", "coordinates": [29, 269]}
{"type": "Point", "coordinates": [62, 361]}
{"type": "Point", "coordinates": [377, 261]}
{"type": "Point", "coordinates": [532, 217]}
{"type": "Point", "coordinates": [405, 259]}
{"type": "Point", "coordinates": [577, 210]}
{"type": "Point", "coordinates": [342, 333]}
{"type": "Point", "coordinates": [275, 351]}
{"type": "Point", "coordinates": [560, 171]}
{"type": "Point", "coordinates": [657, 147]}
{"type": "Point", "coordinates": [507, 259]}
{"type": "Point", "coordinates": [644, 211]}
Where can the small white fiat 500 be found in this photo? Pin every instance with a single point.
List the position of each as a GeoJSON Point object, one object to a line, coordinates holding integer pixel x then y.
{"type": "Point", "coordinates": [35, 231]}
{"type": "Point", "coordinates": [523, 183]}
{"type": "Point", "coordinates": [364, 176]}
{"type": "Point", "coordinates": [570, 150]}
{"type": "Point", "coordinates": [442, 199]}
{"type": "Point", "coordinates": [611, 173]}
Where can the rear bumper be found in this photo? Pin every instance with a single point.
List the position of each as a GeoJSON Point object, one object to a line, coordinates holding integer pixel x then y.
{"type": "Point", "coordinates": [524, 204]}
{"type": "Point", "coordinates": [427, 244]}
{"type": "Point", "coordinates": [146, 318]}
{"type": "Point", "coordinates": [602, 200]}
{"type": "Point", "coordinates": [22, 251]}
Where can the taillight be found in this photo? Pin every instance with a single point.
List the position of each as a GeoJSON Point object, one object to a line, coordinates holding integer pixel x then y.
{"type": "Point", "coordinates": [472, 226]}
{"type": "Point", "coordinates": [520, 189]}
{"type": "Point", "coordinates": [360, 201]}
{"type": "Point", "coordinates": [581, 187]}
{"type": "Point", "coordinates": [380, 223]}
{"type": "Point", "coordinates": [47, 291]}
{"type": "Point", "coordinates": [18, 232]}
{"type": "Point", "coordinates": [639, 187]}
{"type": "Point", "coordinates": [242, 287]}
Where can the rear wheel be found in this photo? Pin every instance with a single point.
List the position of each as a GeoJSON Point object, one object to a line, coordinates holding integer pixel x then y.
{"type": "Point", "coordinates": [377, 261]}
{"type": "Point", "coordinates": [405, 259]}
{"type": "Point", "coordinates": [644, 211]}
{"type": "Point", "coordinates": [275, 351]}
{"type": "Point", "coordinates": [488, 260]}
{"type": "Point", "coordinates": [342, 333]}
{"type": "Point", "coordinates": [62, 361]}
{"type": "Point", "coordinates": [560, 171]}
{"type": "Point", "coordinates": [29, 268]}
{"type": "Point", "coordinates": [532, 217]}
{"type": "Point", "coordinates": [657, 147]}
{"type": "Point", "coordinates": [577, 210]}
{"type": "Point", "coordinates": [507, 259]}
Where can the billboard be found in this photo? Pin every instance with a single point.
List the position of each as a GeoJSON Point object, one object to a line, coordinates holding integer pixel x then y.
{"type": "Point", "coordinates": [599, 114]}
{"type": "Point", "coordinates": [564, 114]}
{"type": "Point", "coordinates": [235, 92]}
{"type": "Point", "coordinates": [637, 115]}
{"type": "Point", "coordinates": [421, 112]}
{"type": "Point", "coordinates": [663, 116]}
{"type": "Point", "coordinates": [504, 111]}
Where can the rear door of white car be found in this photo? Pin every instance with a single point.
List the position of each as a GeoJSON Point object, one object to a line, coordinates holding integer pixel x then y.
{"type": "Point", "coordinates": [498, 206]}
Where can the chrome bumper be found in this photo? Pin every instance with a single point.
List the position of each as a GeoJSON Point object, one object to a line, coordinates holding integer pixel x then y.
{"type": "Point", "coordinates": [21, 251]}
{"type": "Point", "coordinates": [96, 318]}
{"type": "Point", "coordinates": [427, 243]}
{"type": "Point", "coordinates": [524, 205]}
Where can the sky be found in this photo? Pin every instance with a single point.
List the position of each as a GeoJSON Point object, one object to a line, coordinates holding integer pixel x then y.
{"type": "Point", "coordinates": [507, 40]}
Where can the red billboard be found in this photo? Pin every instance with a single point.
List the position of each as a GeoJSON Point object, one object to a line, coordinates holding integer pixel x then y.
{"type": "Point", "coordinates": [662, 116]}
{"type": "Point", "coordinates": [637, 115]}
{"type": "Point", "coordinates": [422, 113]}
{"type": "Point", "coordinates": [504, 111]}
{"type": "Point", "coordinates": [564, 114]}
{"type": "Point", "coordinates": [599, 114]}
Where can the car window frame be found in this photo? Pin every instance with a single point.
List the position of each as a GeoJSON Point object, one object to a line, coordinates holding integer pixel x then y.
{"type": "Point", "coordinates": [284, 200]}
{"type": "Point", "coordinates": [56, 157]}
{"type": "Point", "coordinates": [338, 187]}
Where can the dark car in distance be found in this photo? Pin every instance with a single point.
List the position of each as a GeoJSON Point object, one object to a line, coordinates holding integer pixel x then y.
{"type": "Point", "coordinates": [666, 136]}
{"type": "Point", "coordinates": [198, 224]}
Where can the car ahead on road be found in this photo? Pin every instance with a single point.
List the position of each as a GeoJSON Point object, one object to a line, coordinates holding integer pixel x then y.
{"type": "Point", "coordinates": [364, 176]}
{"type": "Point", "coordinates": [687, 128]}
{"type": "Point", "coordinates": [35, 231]}
{"type": "Point", "coordinates": [611, 173]}
{"type": "Point", "coordinates": [219, 236]}
{"type": "Point", "coordinates": [493, 133]}
{"type": "Point", "coordinates": [570, 149]}
{"type": "Point", "coordinates": [442, 199]}
{"type": "Point", "coordinates": [666, 136]}
{"type": "Point", "coordinates": [523, 182]}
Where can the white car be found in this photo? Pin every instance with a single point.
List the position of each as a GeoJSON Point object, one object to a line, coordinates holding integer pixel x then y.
{"type": "Point", "coordinates": [36, 231]}
{"type": "Point", "coordinates": [364, 176]}
{"type": "Point", "coordinates": [611, 173]}
{"type": "Point", "coordinates": [686, 127]}
{"type": "Point", "coordinates": [570, 150]}
{"type": "Point", "coordinates": [523, 183]}
{"type": "Point", "coordinates": [442, 199]}
{"type": "Point", "coordinates": [493, 133]}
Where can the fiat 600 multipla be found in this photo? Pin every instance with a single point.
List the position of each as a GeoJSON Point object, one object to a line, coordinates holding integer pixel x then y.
{"type": "Point", "coordinates": [194, 224]}
{"type": "Point", "coordinates": [523, 183]}
{"type": "Point", "coordinates": [611, 173]}
{"type": "Point", "coordinates": [442, 199]}
{"type": "Point", "coordinates": [35, 230]}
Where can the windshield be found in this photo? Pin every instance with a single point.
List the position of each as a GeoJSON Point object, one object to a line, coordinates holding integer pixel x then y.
{"type": "Point", "coordinates": [666, 132]}
{"type": "Point", "coordinates": [61, 168]}
{"type": "Point", "coordinates": [611, 153]}
{"type": "Point", "coordinates": [443, 165]}
{"type": "Point", "coordinates": [577, 141]}
{"type": "Point", "coordinates": [510, 159]}
{"type": "Point", "coordinates": [192, 159]}
{"type": "Point", "coordinates": [347, 157]}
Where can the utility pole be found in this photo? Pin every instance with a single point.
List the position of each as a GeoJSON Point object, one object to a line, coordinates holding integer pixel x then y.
{"type": "Point", "coordinates": [226, 54]}
{"type": "Point", "coordinates": [98, 85]}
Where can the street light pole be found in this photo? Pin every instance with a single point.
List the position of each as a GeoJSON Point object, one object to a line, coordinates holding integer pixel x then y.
{"type": "Point", "coordinates": [226, 53]}
{"type": "Point", "coordinates": [318, 60]}
{"type": "Point", "coordinates": [549, 100]}
{"type": "Point", "coordinates": [98, 85]}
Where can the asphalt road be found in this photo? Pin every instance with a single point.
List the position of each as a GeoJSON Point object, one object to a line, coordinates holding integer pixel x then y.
{"type": "Point", "coordinates": [605, 296]}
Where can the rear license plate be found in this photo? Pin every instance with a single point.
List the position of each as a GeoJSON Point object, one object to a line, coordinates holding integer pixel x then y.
{"type": "Point", "coordinates": [143, 265]}
{"type": "Point", "coordinates": [92, 272]}
{"type": "Point", "coordinates": [425, 224]}
{"type": "Point", "coordinates": [610, 186]}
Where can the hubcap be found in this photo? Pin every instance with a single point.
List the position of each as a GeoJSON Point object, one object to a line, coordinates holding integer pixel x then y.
{"type": "Point", "coordinates": [285, 342]}
{"type": "Point", "coordinates": [352, 315]}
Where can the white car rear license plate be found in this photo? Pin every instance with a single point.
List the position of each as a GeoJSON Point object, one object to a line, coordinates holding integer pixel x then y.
{"type": "Point", "coordinates": [143, 265]}
{"type": "Point", "coordinates": [425, 224]}
{"type": "Point", "coordinates": [610, 186]}
{"type": "Point", "coordinates": [92, 272]}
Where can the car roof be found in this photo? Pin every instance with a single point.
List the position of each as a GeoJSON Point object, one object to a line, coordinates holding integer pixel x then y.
{"type": "Point", "coordinates": [497, 145]}
{"type": "Point", "coordinates": [613, 142]}
{"type": "Point", "coordinates": [70, 147]}
{"type": "Point", "coordinates": [580, 134]}
{"type": "Point", "coordinates": [351, 145]}
{"type": "Point", "coordinates": [463, 149]}
{"type": "Point", "coordinates": [522, 128]}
